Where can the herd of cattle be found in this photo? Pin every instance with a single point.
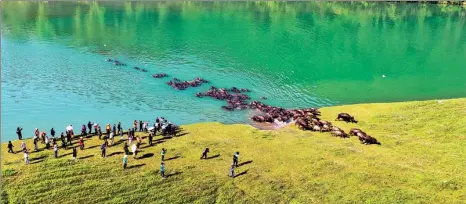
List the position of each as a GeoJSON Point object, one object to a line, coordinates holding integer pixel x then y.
{"type": "Point", "coordinates": [305, 119]}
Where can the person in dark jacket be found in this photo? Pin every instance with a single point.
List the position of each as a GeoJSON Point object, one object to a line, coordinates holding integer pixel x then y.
{"type": "Point", "coordinates": [75, 154]}
{"type": "Point", "coordinates": [89, 126]}
{"type": "Point", "coordinates": [63, 143]}
{"type": "Point", "coordinates": [140, 126]}
{"type": "Point", "coordinates": [10, 147]}
{"type": "Point", "coordinates": [18, 132]}
{"type": "Point", "coordinates": [103, 147]}
{"type": "Point", "coordinates": [52, 132]}
{"type": "Point", "coordinates": [204, 154]}
{"type": "Point", "coordinates": [126, 148]}
{"type": "Point", "coordinates": [232, 171]}
{"type": "Point", "coordinates": [150, 138]}
{"type": "Point", "coordinates": [235, 159]}
{"type": "Point", "coordinates": [68, 137]}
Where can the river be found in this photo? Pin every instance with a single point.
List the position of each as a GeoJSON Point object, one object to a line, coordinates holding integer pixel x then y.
{"type": "Point", "coordinates": [297, 54]}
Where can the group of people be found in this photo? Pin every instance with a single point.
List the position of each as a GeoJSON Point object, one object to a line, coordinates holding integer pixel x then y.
{"type": "Point", "coordinates": [161, 125]}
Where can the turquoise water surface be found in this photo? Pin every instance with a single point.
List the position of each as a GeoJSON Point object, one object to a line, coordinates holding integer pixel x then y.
{"type": "Point", "coordinates": [296, 54]}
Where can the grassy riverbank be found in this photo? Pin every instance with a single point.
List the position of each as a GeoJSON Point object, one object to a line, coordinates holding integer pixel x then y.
{"type": "Point", "coordinates": [421, 160]}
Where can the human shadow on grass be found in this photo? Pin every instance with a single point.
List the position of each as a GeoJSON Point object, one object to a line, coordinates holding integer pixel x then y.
{"type": "Point", "coordinates": [172, 158]}
{"type": "Point", "coordinates": [91, 147]}
{"type": "Point", "coordinates": [212, 157]}
{"type": "Point", "coordinates": [135, 166]}
{"type": "Point", "coordinates": [37, 158]}
{"type": "Point", "coordinates": [64, 155]}
{"type": "Point", "coordinates": [36, 161]}
{"type": "Point", "coordinates": [147, 155]}
{"type": "Point", "coordinates": [173, 174]}
{"type": "Point", "coordinates": [114, 153]}
{"type": "Point", "coordinates": [85, 157]}
{"type": "Point", "coordinates": [118, 142]}
{"type": "Point", "coordinates": [244, 163]}
{"type": "Point", "coordinates": [162, 139]}
{"type": "Point", "coordinates": [181, 134]}
{"type": "Point", "coordinates": [242, 173]}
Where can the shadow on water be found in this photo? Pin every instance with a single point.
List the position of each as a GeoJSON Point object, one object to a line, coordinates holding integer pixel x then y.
{"type": "Point", "coordinates": [212, 157]}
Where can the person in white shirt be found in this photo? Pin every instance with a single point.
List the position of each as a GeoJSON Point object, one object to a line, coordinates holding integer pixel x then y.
{"type": "Point", "coordinates": [26, 156]}
{"type": "Point", "coordinates": [111, 138]}
{"type": "Point", "coordinates": [135, 150]}
{"type": "Point", "coordinates": [55, 150]}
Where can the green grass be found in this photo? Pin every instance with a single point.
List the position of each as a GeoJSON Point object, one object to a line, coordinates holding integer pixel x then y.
{"type": "Point", "coordinates": [421, 160]}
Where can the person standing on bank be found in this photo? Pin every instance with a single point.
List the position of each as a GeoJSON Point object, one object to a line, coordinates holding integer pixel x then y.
{"type": "Point", "coordinates": [126, 148]}
{"type": "Point", "coordinates": [204, 154]}
{"type": "Point", "coordinates": [68, 138]}
{"type": "Point", "coordinates": [135, 150]}
{"type": "Point", "coordinates": [18, 132]}
{"type": "Point", "coordinates": [103, 147]}
{"type": "Point", "coordinates": [235, 159]}
{"type": "Point", "coordinates": [232, 171]}
{"type": "Point", "coordinates": [81, 143]}
{"type": "Point", "coordinates": [26, 156]}
{"type": "Point", "coordinates": [89, 126]}
{"type": "Point", "coordinates": [36, 140]}
{"type": "Point", "coordinates": [63, 143]}
{"type": "Point", "coordinates": [23, 145]}
{"type": "Point", "coordinates": [164, 151]}
{"type": "Point", "coordinates": [125, 161]}
{"type": "Point", "coordinates": [55, 150]}
{"type": "Point", "coordinates": [108, 129]}
{"type": "Point", "coordinates": [162, 170]}
{"type": "Point", "coordinates": [150, 138]}
{"type": "Point", "coordinates": [75, 154]}
{"type": "Point", "coordinates": [10, 147]}
{"type": "Point", "coordinates": [52, 132]}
